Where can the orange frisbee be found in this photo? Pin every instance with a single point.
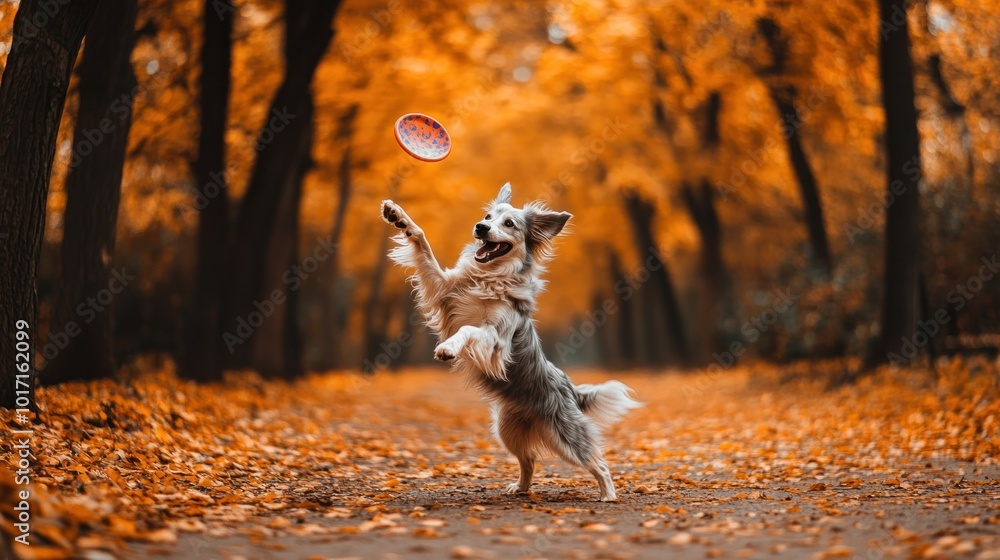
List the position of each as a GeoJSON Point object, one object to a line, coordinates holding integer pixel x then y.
{"type": "Point", "coordinates": [422, 137]}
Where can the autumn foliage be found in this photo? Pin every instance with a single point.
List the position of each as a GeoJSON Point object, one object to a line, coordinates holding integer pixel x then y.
{"type": "Point", "coordinates": [575, 104]}
{"type": "Point", "coordinates": [154, 460]}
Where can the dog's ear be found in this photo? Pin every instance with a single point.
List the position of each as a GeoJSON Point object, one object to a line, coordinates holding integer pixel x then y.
{"type": "Point", "coordinates": [504, 196]}
{"type": "Point", "coordinates": [544, 224]}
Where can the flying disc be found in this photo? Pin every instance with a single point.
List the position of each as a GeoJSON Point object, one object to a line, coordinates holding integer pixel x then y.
{"type": "Point", "coordinates": [422, 137]}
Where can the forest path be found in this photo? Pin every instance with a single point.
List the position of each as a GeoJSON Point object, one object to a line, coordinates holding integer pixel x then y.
{"type": "Point", "coordinates": [731, 465]}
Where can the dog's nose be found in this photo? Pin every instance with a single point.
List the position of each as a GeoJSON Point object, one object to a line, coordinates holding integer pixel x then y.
{"type": "Point", "coordinates": [482, 228]}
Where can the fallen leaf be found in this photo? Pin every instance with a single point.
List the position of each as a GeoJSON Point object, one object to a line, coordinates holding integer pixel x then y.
{"type": "Point", "coordinates": [680, 539]}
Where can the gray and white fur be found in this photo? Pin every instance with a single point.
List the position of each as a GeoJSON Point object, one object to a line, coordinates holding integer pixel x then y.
{"type": "Point", "coordinates": [482, 311]}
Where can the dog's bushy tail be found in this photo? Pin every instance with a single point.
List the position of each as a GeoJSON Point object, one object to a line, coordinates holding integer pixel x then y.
{"type": "Point", "coordinates": [606, 403]}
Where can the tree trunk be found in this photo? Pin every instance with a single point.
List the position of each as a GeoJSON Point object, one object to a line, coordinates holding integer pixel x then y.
{"type": "Point", "coordinates": [309, 32]}
{"type": "Point", "coordinates": [373, 330]}
{"type": "Point", "coordinates": [784, 100]}
{"type": "Point", "coordinates": [710, 136]}
{"type": "Point", "coordinates": [93, 190]}
{"type": "Point", "coordinates": [900, 295]}
{"type": "Point", "coordinates": [640, 214]}
{"type": "Point", "coordinates": [279, 352]}
{"type": "Point", "coordinates": [626, 340]}
{"type": "Point", "coordinates": [292, 342]}
{"type": "Point", "coordinates": [618, 330]}
{"type": "Point", "coordinates": [204, 346]}
{"type": "Point", "coordinates": [32, 97]}
{"type": "Point", "coordinates": [701, 206]}
{"type": "Point", "coordinates": [804, 177]}
{"type": "Point", "coordinates": [702, 209]}
{"type": "Point", "coordinates": [333, 318]}
{"type": "Point", "coordinates": [713, 292]}
{"type": "Point", "coordinates": [926, 314]}
{"type": "Point", "coordinates": [955, 111]}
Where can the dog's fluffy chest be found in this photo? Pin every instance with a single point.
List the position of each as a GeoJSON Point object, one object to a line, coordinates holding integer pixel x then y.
{"type": "Point", "coordinates": [483, 301]}
{"type": "Point", "coordinates": [498, 289]}
{"type": "Point", "coordinates": [468, 305]}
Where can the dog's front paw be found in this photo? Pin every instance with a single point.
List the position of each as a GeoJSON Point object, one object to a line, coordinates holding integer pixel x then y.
{"type": "Point", "coordinates": [609, 497]}
{"type": "Point", "coordinates": [446, 351]}
{"type": "Point", "coordinates": [393, 214]}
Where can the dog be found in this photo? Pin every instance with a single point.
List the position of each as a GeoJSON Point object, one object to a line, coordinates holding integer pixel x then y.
{"type": "Point", "coordinates": [482, 312]}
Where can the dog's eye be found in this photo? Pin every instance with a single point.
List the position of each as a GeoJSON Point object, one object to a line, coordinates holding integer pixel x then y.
{"type": "Point", "coordinates": [488, 217]}
{"type": "Point", "coordinates": [508, 223]}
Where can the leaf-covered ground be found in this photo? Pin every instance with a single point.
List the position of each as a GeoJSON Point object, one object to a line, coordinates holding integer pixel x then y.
{"type": "Point", "coordinates": [755, 462]}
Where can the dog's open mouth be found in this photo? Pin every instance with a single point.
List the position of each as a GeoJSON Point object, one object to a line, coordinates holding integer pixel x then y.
{"type": "Point", "coordinates": [491, 250]}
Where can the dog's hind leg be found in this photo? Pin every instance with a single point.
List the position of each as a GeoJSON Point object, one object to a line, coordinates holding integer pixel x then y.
{"type": "Point", "coordinates": [599, 468]}
{"type": "Point", "coordinates": [516, 433]}
{"type": "Point", "coordinates": [574, 438]}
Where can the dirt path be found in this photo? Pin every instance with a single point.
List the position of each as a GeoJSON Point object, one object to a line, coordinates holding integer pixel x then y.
{"type": "Point", "coordinates": [769, 522]}
{"type": "Point", "coordinates": [711, 467]}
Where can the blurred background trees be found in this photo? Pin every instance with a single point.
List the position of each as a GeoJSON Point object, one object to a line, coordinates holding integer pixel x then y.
{"type": "Point", "coordinates": [203, 358]}
{"type": "Point", "coordinates": [32, 95]}
{"type": "Point", "coordinates": [901, 292]}
{"type": "Point", "coordinates": [742, 147]}
{"type": "Point", "coordinates": [93, 190]}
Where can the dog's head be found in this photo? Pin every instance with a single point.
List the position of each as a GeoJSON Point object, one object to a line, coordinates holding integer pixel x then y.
{"type": "Point", "coordinates": [516, 236]}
